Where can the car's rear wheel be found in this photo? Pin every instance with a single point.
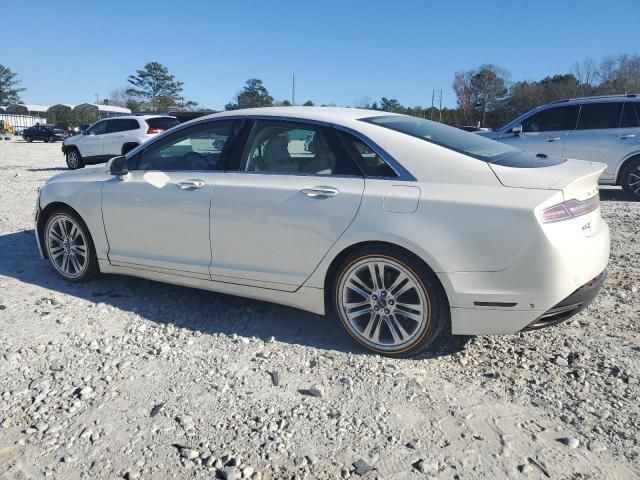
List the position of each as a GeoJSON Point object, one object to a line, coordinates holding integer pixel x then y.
{"type": "Point", "coordinates": [389, 302]}
{"type": "Point", "coordinates": [630, 179]}
{"type": "Point", "coordinates": [74, 160]}
{"type": "Point", "coordinates": [69, 246]}
{"type": "Point", "coordinates": [28, 139]}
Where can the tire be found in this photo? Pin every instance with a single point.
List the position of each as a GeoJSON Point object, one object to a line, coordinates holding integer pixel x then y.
{"type": "Point", "coordinates": [28, 139]}
{"type": "Point", "coordinates": [74, 159]}
{"type": "Point", "coordinates": [50, 140]}
{"type": "Point", "coordinates": [402, 313]}
{"type": "Point", "coordinates": [630, 179]}
{"type": "Point", "coordinates": [69, 246]}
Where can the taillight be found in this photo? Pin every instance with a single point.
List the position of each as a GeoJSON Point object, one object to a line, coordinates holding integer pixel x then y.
{"type": "Point", "coordinates": [570, 209]}
{"type": "Point", "coordinates": [154, 130]}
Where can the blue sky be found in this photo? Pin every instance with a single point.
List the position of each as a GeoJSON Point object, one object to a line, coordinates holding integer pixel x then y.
{"type": "Point", "coordinates": [339, 50]}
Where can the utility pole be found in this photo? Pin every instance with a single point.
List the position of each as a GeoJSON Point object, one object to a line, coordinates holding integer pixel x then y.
{"type": "Point", "coordinates": [97, 98]}
{"type": "Point", "coordinates": [433, 94]}
{"type": "Point", "coordinates": [293, 88]}
{"type": "Point", "coordinates": [440, 108]}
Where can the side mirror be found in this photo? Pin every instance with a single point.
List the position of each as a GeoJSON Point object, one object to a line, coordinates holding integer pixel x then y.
{"type": "Point", "coordinates": [516, 130]}
{"type": "Point", "coordinates": [118, 166]}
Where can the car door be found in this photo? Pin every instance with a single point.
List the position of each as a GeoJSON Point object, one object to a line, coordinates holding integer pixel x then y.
{"type": "Point", "coordinates": [606, 132]}
{"type": "Point", "coordinates": [91, 143]}
{"type": "Point", "coordinates": [274, 219]}
{"type": "Point", "coordinates": [157, 216]}
{"type": "Point", "coordinates": [545, 131]}
{"type": "Point", "coordinates": [112, 138]}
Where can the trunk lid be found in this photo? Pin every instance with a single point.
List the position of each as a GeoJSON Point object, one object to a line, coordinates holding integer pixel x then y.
{"type": "Point", "coordinates": [577, 179]}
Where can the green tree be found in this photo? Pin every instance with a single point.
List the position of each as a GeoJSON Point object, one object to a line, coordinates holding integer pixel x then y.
{"type": "Point", "coordinates": [253, 95]}
{"type": "Point", "coordinates": [391, 105]}
{"type": "Point", "coordinates": [308, 103]}
{"type": "Point", "coordinates": [154, 88]}
{"type": "Point", "coordinates": [9, 90]}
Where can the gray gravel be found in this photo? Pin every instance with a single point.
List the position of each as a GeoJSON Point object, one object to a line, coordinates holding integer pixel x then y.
{"type": "Point", "coordinates": [127, 378]}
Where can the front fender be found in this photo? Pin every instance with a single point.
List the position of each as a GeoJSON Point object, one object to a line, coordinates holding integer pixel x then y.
{"type": "Point", "coordinates": [83, 195]}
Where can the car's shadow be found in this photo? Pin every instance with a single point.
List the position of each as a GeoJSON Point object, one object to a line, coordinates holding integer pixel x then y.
{"type": "Point", "coordinates": [47, 169]}
{"type": "Point", "coordinates": [207, 312]}
{"type": "Point", "coordinates": [614, 195]}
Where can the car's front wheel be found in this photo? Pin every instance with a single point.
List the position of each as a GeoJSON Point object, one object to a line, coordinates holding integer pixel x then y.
{"type": "Point", "coordinates": [630, 179]}
{"type": "Point", "coordinates": [74, 160]}
{"type": "Point", "coordinates": [69, 246]}
{"type": "Point", "coordinates": [50, 139]}
{"type": "Point", "coordinates": [390, 302]}
{"type": "Point", "coordinates": [28, 139]}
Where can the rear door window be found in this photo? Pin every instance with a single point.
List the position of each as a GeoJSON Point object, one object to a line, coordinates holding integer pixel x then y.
{"type": "Point", "coordinates": [132, 124]}
{"type": "Point", "coordinates": [118, 125]}
{"type": "Point", "coordinates": [297, 148]}
{"type": "Point", "coordinates": [599, 115]}
{"type": "Point", "coordinates": [630, 115]}
{"type": "Point", "coordinates": [552, 119]}
{"type": "Point", "coordinates": [372, 164]}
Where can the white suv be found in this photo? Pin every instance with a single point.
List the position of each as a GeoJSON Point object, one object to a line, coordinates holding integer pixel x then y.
{"type": "Point", "coordinates": [601, 129]}
{"type": "Point", "coordinates": [111, 137]}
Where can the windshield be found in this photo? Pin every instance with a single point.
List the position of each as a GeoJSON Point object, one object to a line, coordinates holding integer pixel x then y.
{"type": "Point", "coordinates": [452, 138]}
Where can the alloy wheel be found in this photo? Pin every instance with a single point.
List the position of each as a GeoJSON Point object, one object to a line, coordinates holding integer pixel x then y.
{"type": "Point", "coordinates": [67, 246]}
{"type": "Point", "coordinates": [634, 180]}
{"type": "Point", "coordinates": [72, 159]}
{"type": "Point", "coordinates": [383, 303]}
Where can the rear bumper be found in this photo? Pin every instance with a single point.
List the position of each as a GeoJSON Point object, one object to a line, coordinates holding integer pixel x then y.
{"type": "Point", "coordinates": [552, 272]}
{"type": "Point", "coordinates": [570, 306]}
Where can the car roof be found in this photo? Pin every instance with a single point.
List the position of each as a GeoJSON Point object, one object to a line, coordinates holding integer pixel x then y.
{"type": "Point", "coordinates": [630, 97]}
{"type": "Point", "coordinates": [323, 114]}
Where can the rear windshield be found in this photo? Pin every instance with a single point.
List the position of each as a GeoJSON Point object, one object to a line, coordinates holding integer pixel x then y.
{"type": "Point", "coordinates": [164, 123]}
{"type": "Point", "coordinates": [452, 138]}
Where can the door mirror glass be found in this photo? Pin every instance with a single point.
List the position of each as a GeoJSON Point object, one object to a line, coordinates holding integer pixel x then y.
{"type": "Point", "coordinates": [516, 130]}
{"type": "Point", "coordinates": [118, 165]}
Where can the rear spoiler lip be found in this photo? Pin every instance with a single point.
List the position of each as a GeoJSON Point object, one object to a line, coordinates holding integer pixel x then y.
{"type": "Point", "coordinates": [592, 168]}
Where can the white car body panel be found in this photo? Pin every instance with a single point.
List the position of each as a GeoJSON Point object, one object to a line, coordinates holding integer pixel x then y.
{"type": "Point", "coordinates": [263, 228]}
{"type": "Point", "coordinates": [477, 226]}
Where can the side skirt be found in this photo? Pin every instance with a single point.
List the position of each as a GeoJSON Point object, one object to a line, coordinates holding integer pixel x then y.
{"type": "Point", "coordinates": [305, 298]}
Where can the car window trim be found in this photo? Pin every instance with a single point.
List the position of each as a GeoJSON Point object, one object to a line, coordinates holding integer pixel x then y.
{"type": "Point", "coordinates": [402, 173]}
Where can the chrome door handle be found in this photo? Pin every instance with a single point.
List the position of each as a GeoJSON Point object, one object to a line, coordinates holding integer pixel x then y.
{"type": "Point", "coordinates": [320, 192]}
{"type": "Point", "coordinates": [552, 139]}
{"type": "Point", "coordinates": [190, 184]}
{"type": "Point", "coordinates": [628, 135]}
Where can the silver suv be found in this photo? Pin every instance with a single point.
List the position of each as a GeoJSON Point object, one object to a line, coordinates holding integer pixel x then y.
{"type": "Point", "coordinates": [603, 129]}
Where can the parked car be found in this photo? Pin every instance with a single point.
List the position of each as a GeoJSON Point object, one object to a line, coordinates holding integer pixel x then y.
{"type": "Point", "coordinates": [113, 136]}
{"type": "Point", "coordinates": [604, 129]}
{"type": "Point", "coordinates": [40, 132]}
{"type": "Point", "coordinates": [402, 227]}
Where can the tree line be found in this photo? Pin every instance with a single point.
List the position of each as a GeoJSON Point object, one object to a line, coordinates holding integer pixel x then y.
{"type": "Point", "coordinates": [485, 96]}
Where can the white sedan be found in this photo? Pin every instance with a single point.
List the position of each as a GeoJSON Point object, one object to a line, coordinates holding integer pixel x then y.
{"type": "Point", "coordinates": [401, 227]}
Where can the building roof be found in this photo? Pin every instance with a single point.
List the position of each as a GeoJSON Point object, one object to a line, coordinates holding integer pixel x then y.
{"type": "Point", "coordinates": [103, 108]}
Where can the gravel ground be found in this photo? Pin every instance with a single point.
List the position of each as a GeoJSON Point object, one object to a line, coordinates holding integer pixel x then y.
{"type": "Point", "coordinates": [127, 378]}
